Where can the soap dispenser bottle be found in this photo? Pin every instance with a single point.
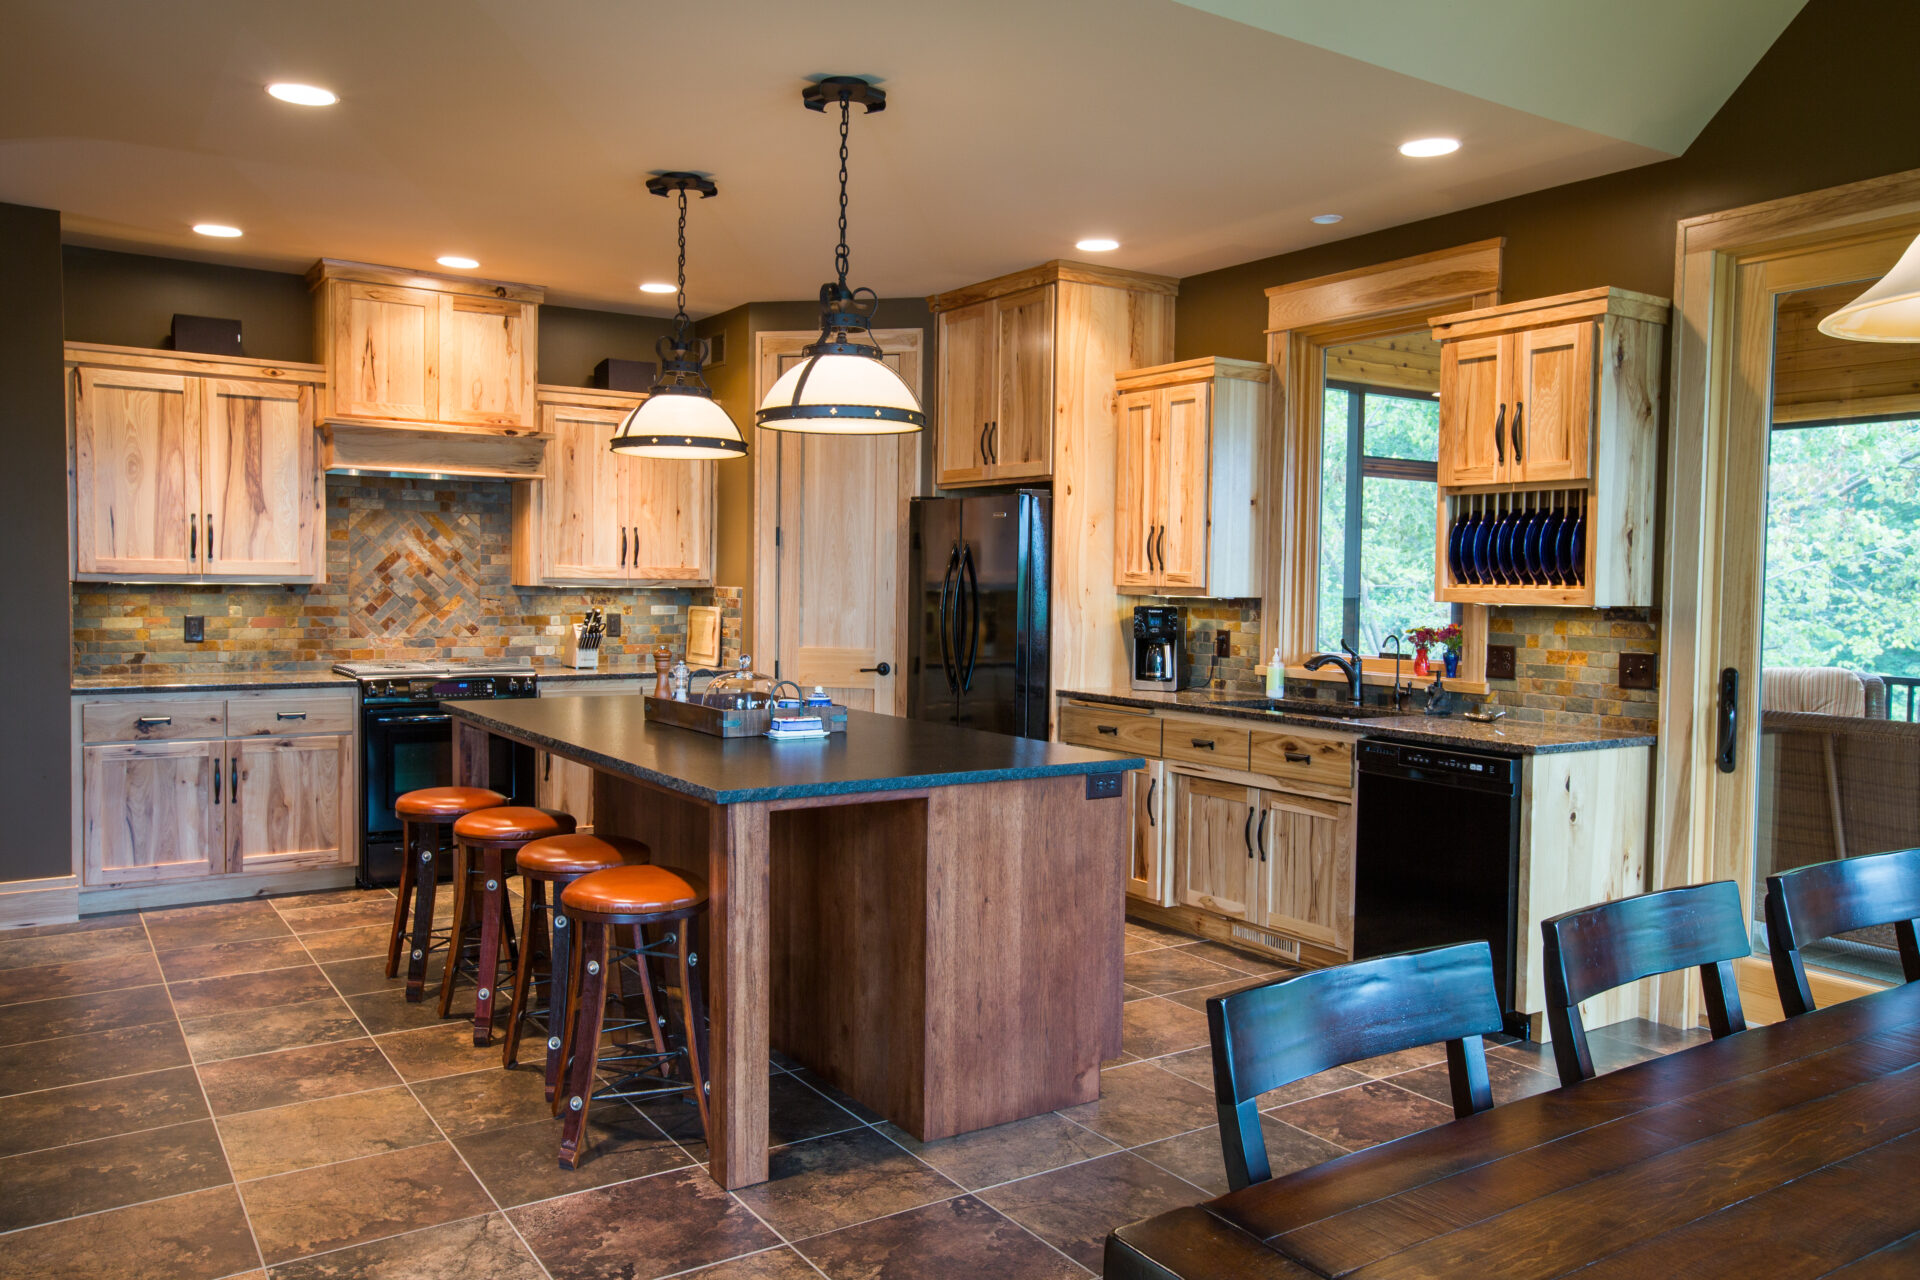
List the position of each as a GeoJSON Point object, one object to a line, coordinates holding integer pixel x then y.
{"type": "Point", "coordinates": [1276, 677]}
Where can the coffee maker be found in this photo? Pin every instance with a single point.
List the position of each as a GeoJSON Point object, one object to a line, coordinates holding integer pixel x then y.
{"type": "Point", "coordinates": [1159, 644]}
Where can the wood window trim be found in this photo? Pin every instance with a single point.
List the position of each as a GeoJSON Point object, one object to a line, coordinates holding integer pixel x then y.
{"type": "Point", "coordinates": [1303, 319]}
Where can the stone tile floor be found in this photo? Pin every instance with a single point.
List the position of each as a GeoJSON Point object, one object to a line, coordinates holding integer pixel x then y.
{"type": "Point", "coordinates": [238, 1090]}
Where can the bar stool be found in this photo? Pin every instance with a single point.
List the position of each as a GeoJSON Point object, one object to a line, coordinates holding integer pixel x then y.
{"type": "Point", "coordinates": [601, 904]}
{"type": "Point", "coordinates": [434, 807]}
{"type": "Point", "coordinates": [485, 843]}
{"type": "Point", "coordinates": [557, 861]}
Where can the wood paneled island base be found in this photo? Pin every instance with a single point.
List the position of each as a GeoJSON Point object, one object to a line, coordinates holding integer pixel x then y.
{"type": "Point", "coordinates": [941, 940]}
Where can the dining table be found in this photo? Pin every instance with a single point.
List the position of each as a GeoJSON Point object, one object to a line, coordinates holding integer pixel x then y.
{"type": "Point", "coordinates": [1786, 1150]}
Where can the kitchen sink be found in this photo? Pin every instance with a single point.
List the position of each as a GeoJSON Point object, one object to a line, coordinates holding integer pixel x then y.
{"type": "Point", "coordinates": [1308, 707]}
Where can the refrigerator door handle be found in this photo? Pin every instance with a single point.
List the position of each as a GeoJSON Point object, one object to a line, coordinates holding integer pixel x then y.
{"type": "Point", "coordinates": [972, 598]}
{"type": "Point", "coordinates": [945, 620]}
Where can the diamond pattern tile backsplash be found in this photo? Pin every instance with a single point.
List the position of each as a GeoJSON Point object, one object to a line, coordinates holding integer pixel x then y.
{"type": "Point", "coordinates": [415, 569]}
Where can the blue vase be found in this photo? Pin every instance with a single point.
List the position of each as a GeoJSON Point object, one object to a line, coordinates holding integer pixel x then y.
{"type": "Point", "coordinates": [1453, 664]}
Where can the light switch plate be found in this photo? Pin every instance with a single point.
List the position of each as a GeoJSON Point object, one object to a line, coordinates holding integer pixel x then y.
{"type": "Point", "coordinates": [1639, 670]}
{"type": "Point", "coordinates": [194, 628]}
{"type": "Point", "coordinates": [1499, 662]}
{"type": "Point", "coordinates": [613, 624]}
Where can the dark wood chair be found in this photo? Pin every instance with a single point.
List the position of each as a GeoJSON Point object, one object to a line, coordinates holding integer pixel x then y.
{"type": "Point", "coordinates": [1810, 903]}
{"type": "Point", "coordinates": [1598, 948]}
{"type": "Point", "coordinates": [1271, 1035]}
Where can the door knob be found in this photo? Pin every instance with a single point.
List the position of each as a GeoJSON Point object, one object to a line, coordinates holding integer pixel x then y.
{"type": "Point", "coordinates": [882, 670]}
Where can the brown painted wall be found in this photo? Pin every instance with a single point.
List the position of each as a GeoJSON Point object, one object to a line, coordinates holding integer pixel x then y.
{"type": "Point", "coordinates": [1831, 102]}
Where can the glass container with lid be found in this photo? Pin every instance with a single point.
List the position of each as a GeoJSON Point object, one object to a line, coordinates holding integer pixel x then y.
{"type": "Point", "coordinates": [742, 688]}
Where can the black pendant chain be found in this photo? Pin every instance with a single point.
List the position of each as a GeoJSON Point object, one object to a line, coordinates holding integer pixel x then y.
{"type": "Point", "coordinates": [680, 318]}
{"type": "Point", "coordinates": [840, 252]}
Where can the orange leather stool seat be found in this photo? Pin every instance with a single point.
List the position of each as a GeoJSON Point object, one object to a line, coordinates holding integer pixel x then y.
{"type": "Point", "coordinates": [576, 855]}
{"type": "Point", "coordinates": [641, 890]}
{"type": "Point", "coordinates": [445, 804]}
{"type": "Point", "coordinates": [512, 824]}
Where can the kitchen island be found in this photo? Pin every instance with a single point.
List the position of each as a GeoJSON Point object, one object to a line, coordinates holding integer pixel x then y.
{"type": "Point", "coordinates": [928, 917]}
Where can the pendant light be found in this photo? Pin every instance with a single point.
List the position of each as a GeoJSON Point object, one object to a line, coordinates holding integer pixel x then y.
{"type": "Point", "coordinates": [842, 387]}
{"type": "Point", "coordinates": [1889, 311]}
{"type": "Point", "coordinates": [679, 418]}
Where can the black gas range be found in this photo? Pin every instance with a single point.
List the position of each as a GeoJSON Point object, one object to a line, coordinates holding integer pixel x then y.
{"type": "Point", "coordinates": [407, 743]}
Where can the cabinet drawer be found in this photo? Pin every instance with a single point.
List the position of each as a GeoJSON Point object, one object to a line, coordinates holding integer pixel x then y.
{"type": "Point", "coordinates": [282, 717]}
{"type": "Point", "coordinates": [1216, 742]}
{"type": "Point", "coordinates": [1110, 729]}
{"type": "Point", "coordinates": [145, 721]}
{"type": "Point", "coordinates": [1325, 763]}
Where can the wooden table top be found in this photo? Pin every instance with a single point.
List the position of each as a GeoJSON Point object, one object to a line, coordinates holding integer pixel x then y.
{"type": "Point", "coordinates": [1788, 1150]}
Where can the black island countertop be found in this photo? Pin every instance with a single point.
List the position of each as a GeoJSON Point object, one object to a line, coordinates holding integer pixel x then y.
{"type": "Point", "coordinates": [876, 753]}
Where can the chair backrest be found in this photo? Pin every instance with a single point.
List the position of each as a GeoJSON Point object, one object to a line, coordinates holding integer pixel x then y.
{"type": "Point", "coordinates": [1601, 947]}
{"type": "Point", "coordinates": [1810, 903]}
{"type": "Point", "coordinates": [1271, 1035]}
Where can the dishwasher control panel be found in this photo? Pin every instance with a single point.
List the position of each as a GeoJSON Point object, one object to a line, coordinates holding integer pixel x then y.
{"type": "Point", "coordinates": [1438, 763]}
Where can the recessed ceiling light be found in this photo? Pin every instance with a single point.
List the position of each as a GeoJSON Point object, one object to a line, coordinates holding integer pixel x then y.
{"type": "Point", "coordinates": [1424, 147]}
{"type": "Point", "coordinates": [304, 95]}
{"type": "Point", "coordinates": [1327, 219]}
{"type": "Point", "coordinates": [455, 260]}
{"type": "Point", "coordinates": [216, 229]}
{"type": "Point", "coordinates": [659, 286]}
{"type": "Point", "coordinates": [1097, 244]}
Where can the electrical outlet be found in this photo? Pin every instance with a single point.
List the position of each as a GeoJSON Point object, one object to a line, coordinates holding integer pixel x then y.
{"type": "Point", "coordinates": [613, 626]}
{"type": "Point", "coordinates": [194, 628]}
{"type": "Point", "coordinates": [1104, 786]}
{"type": "Point", "coordinates": [1639, 670]}
{"type": "Point", "coordinates": [1223, 644]}
{"type": "Point", "coordinates": [1499, 662]}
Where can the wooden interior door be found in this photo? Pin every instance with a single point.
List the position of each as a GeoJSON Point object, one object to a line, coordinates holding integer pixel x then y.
{"type": "Point", "coordinates": [486, 361]}
{"type": "Point", "coordinates": [584, 502]}
{"type": "Point", "coordinates": [1148, 836]}
{"type": "Point", "coordinates": [1186, 479]}
{"type": "Point", "coordinates": [1020, 445]}
{"type": "Point", "coordinates": [1472, 406]}
{"type": "Point", "coordinates": [260, 479]}
{"type": "Point", "coordinates": [385, 357]}
{"type": "Point", "coordinates": [1137, 478]}
{"type": "Point", "coordinates": [670, 510]}
{"type": "Point", "coordinates": [1550, 423]}
{"type": "Point", "coordinates": [151, 811]}
{"type": "Point", "coordinates": [291, 802]}
{"type": "Point", "coordinates": [136, 446]}
{"type": "Point", "coordinates": [1306, 867]}
{"type": "Point", "coordinates": [831, 532]}
{"type": "Point", "coordinates": [967, 393]}
{"type": "Point", "coordinates": [1214, 867]}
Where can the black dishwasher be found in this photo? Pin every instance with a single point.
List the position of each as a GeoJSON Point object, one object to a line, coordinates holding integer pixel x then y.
{"type": "Point", "coordinates": [1437, 855]}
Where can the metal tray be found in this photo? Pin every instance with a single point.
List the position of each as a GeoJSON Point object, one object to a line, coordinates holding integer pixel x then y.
{"type": "Point", "coordinates": [733, 722]}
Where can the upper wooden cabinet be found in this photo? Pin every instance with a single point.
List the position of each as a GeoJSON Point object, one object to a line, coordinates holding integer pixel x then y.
{"type": "Point", "coordinates": [1549, 428]}
{"type": "Point", "coordinates": [193, 468]}
{"type": "Point", "coordinates": [1010, 356]}
{"type": "Point", "coordinates": [599, 518]}
{"type": "Point", "coordinates": [1186, 478]}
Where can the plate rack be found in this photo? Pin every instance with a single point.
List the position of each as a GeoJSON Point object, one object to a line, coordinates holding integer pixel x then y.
{"type": "Point", "coordinates": [1516, 546]}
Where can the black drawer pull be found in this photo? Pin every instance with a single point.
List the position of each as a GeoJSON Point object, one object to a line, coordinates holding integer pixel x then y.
{"type": "Point", "coordinates": [152, 722]}
{"type": "Point", "coordinates": [1111, 730]}
{"type": "Point", "coordinates": [1207, 743]}
{"type": "Point", "coordinates": [289, 715]}
{"type": "Point", "coordinates": [1299, 757]}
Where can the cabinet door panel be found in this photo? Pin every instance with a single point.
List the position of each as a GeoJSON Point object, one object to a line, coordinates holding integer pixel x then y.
{"type": "Point", "coordinates": [151, 811]}
{"type": "Point", "coordinates": [1472, 410]}
{"type": "Point", "coordinates": [291, 801]}
{"type": "Point", "coordinates": [671, 516]}
{"type": "Point", "coordinates": [1020, 445]}
{"type": "Point", "coordinates": [1307, 868]}
{"type": "Point", "coordinates": [1213, 863]}
{"type": "Point", "coordinates": [1552, 427]}
{"type": "Point", "coordinates": [1148, 870]}
{"type": "Point", "coordinates": [260, 479]}
{"type": "Point", "coordinates": [966, 393]}
{"type": "Point", "coordinates": [1136, 490]}
{"type": "Point", "coordinates": [136, 447]}
{"type": "Point", "coordinates": [486, 362]}
{"type": "Point", "coordinates": [565, 785]}
{"type": "Point", "coordinates": [584, 504]}
{"type": "Point", "coordinates": [385, 356]}
{"type": "Point", "coordinates": [1186, 497]}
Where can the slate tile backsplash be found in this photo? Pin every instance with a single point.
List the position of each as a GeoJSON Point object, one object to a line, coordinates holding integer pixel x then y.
{"type": "Point", "coordinates": [415, 569]}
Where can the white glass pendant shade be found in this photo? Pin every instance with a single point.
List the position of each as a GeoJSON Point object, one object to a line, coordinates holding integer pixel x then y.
{"type": "Point", "coordinates": [843, 395]}
{"type": "Point", "coordinates": [1889, 311]}
{"type": "Point", "coordinates": [679, 425]}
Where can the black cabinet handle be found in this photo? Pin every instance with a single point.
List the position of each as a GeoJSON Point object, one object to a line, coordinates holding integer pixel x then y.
{"type": "Point", "coordinates": [1206, 743]}
{"type": "Point", "coordinates": [1298, 757]}
{"type": "Point", "coordinates": [289, 715]}
{"type": "Point", "coordinates": [212, 555]}
{"type": "Point", "coordinates": [1729, 720]}
{"type": "Point", "coordinates": [1519, 437]}
{"type": "Point", "coordinates": [1149, 548]}
{"type": "Point", "coordinates": [983, 442]}
{"type": "Point", "coordinates": [549, 777]}
{"type": "Point", "coordinates": [152, 722]}
{"type": "Point", "coordinates": [1260, 836]}
{"type": "Point", "coordinates": [1247, 835]}
{"type": "Point", "coordinates": [1152, 783]}
{"type": "Point", "coordinates": [1111, 730]}
{"type": "Point", "coordinates": [879, 669]}
{"type": "Point", "coordinates": [1500, 436]}
{"type": "Point", "coordinates": [216, 782]}
{"type": "Point", "coordinates": [1160, 548]}
{"type": "Point", "coordinates": [193, 538]}
{"type": "Point", "coordinates": [233, 780]}
{"type": "Point", "coordinates": [623, 546]}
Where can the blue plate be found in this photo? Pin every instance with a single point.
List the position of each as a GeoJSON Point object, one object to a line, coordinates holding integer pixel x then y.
{"type": "Point", "coordinates": [1469, 531]}
{"type": "Point", "coordinates": [1536, 529]}
{"type": "Point", "coordinates": [1548, 550]}
{"type": "Point", "coordinates": [1563, 552]}
{"type": "Point", "coordinates": [1577, 571]}
{"type": "Point", "coordinates": [1482, 558]}
{"type": "Point", "coordinates": [1503, 550]}
{"type": "Point", "coordinates": [1522, 538]}
{"type": "Point", "coordinates": [1453, 546]}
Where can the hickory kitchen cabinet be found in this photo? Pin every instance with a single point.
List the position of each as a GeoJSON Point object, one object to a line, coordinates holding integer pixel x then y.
{"type": "Point", "coordinates": [566, 784]}
{"type": "Point", "coordinates": [187, 468]}
{"type": "Point", "coordinates": [1186, 496]}
{"type": "Point", "coordinates": [598, 518]}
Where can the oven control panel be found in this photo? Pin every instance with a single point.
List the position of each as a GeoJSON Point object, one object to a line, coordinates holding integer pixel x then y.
{"type": "Point", "coordinates": [439, 688]}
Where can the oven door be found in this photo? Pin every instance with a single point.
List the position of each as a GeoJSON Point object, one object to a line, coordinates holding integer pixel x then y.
{"type": "Point", "coordinates": [407, 748]}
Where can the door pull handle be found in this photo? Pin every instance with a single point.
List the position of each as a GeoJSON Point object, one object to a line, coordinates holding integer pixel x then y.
{"type": "Point", "coordinates": [152, 722]}
{"type": "Point", "coordinates": [193, 538]}
{"type": "Point", "coordinates": [1519, 436]}
{"type": "Point", "coordinates": [1728, 755]}
{"type": "Point", "coordinates": [879, 669]}
{"type": "Point", "coordinates": [212, 555]}
{"type": "Point", "coordinates": [1152, 783]}
{"type": "Point", "coordinates": [1298, 757]}
{"type": "Point", "coordinates": [1160, 548]}
{"type": "Point", "coordinates": [1500, 436]}
{"type": "Point", "coordinates": [216, 782]}
{"type": "Point", "coordinates": [1149, 548]}
{"type": "Point", "coordinates": [983, 442]}
{"type": "Point", "coordinates": [1246, 835]}
{"type": "Point", "coordinates": [1205, 744]}
{"type": "Point", "coordinates": [233, 781]}
{"type": "Point", "coordinates": [289, 715]}
{"type": "Point", "coordinates": [1260, 836]}
{"type": "Point", "coordinates": [1111, 730]}
{"type": "Point", "coordinates": [623, 546]}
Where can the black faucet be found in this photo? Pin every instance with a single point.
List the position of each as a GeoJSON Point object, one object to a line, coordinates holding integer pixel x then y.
{"type": "Point", "coordinates": [1349, 667]}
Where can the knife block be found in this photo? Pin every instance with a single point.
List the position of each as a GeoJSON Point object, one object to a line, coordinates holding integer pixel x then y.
{"type": "Point", "coordinates": [574, 655]}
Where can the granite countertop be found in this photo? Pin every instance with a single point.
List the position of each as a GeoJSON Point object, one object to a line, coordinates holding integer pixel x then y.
{"type": "Point", "coordinates": [1506, 737]}
{"type": "Point", "coordinates": [609, 669]}
{"type": "Point", "coordinates": [210, 682]}
{"type": "Point", "coordinates": [876, 753]}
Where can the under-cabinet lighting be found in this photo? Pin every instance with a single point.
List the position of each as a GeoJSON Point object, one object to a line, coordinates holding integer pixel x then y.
{"type": "Point", "coordinates": [1327, 219]}
{"type": "Point", "coordinates": [659, 286]}
{"type": "Point", "coordinates": [1096, 244]}
{"type": "Point", "coordinates": [1424, 148]}
{"type": "Point", "coordinates": [216, 229]}
{"type": "Point", "coordinates": [304, 95]}
{"type": "Point", "coordinates": [457, 262]}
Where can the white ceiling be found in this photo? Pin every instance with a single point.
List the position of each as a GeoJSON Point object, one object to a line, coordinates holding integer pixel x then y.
{"type": "Point", "coordinates": [520, 134]}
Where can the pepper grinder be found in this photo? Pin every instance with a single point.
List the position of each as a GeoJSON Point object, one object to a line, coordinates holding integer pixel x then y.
{"type": "Point", "coordinates": [662, 662]}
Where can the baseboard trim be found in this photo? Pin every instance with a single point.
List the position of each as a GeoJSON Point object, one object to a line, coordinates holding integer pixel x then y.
{"type": "Point", "coordinates": [181, 893]}
{"type": "Point", "coordinates": [1760, 995]}
{"type": "Point", "coordinates": [53, 900]}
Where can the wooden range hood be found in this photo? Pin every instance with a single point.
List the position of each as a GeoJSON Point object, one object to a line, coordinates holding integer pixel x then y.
{"type": "Point", "coordinates": [427, 374]}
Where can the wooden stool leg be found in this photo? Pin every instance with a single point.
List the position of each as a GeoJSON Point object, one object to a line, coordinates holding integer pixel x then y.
{"type": "Point", "coordinates": [655, 1025]}
{"type": "Point", "coordinates": [532, 900]}
{"type": "Point", "coordinates": [400, 903]}
{"type": "Point", "coordinates": [696, 1015]}
{"type": "Point", "coordinates": [493, 908]}
{"type": "Point", "coordinates": [457, 935]}
{"type": "Point", "coordinates": [583, 1040]}
{"type": "Point", "coordinates": [425, 880]}
{"type": "Point", "coordinates": [559, 995]}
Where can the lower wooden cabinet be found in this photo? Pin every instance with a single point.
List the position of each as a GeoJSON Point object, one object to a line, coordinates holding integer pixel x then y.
{"type": "Point", "coordinates": [563, 784]}
{"type": "Point", "coordinates": [152, 811]}
{"type": "Point", "coordinates": [1149, 836]}
{"type": "Point", "coordinates": [1276, 860]}
{"type": "Point", "coordinates": [290, 802]}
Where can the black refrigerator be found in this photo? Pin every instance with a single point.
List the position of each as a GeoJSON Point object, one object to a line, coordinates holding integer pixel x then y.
{"type": "Point", "coordinates": [979, 591]}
